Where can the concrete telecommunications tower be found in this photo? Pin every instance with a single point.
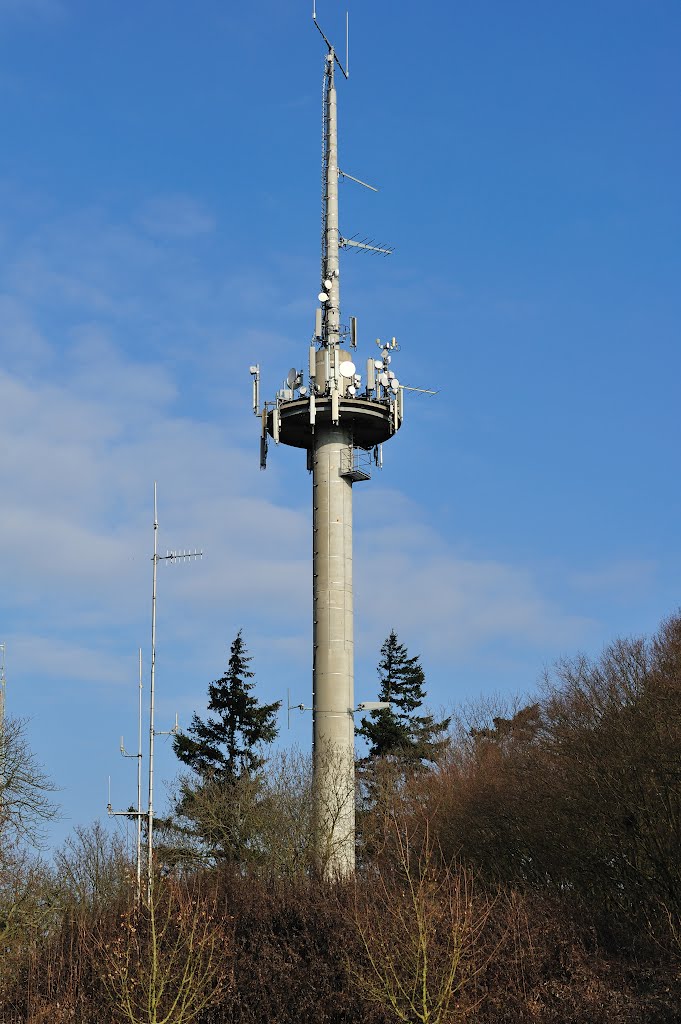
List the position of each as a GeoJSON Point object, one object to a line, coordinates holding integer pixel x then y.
{"type": "Point", "coordinates": [341, 421]}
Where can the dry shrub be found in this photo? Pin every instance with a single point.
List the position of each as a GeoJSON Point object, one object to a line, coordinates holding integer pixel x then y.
{"type": "Point", "coordinates": [292, 941]}
{"type": "Point", "coordinates": [549, 969]}
{"type": "Point", "coordinates": [424, 935]}
{"type": "Point", "coordinates": [170, 958]}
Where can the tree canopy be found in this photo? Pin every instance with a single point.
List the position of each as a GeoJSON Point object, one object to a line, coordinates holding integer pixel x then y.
{"type": "Point", "coordinates": [399, 731]}
{"type": "Point", "coordinates": [218, 808]}
{"type": "Point", "coordinates": [224, 747]}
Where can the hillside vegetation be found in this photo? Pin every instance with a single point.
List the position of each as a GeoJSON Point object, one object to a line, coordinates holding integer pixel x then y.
{"type": "Point", "coordinates": [527, 868]}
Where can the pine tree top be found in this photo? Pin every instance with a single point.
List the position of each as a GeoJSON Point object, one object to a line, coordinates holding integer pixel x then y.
{"type": "Point", "coordinates": [399, 731]}
{"type": "Point", "coordinates": [224, 745]}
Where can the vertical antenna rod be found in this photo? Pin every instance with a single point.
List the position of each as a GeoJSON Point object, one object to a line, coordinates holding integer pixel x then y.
{"type": "Point", "coordinates": [139, 813]}
{"type": "Point", "coordinates": [150, 811]}
{"type": "Point", "coordinates": [3, 688]}
{"type": "Point", "coordinates": [171, 556]}
{"type": "Point", "coordinates": [330, 261]}
{"type": "Point", "coordinates": [347, 44]}
{"type": "Point", "coordinates": [139, 782]}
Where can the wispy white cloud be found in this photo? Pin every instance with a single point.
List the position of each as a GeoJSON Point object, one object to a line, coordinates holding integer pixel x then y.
{"type": "Point", "coordinates": [176, 216]}
{"type": "Point", "coordinates": [34, 9]}
{"type": "Point", "coordinates": [627, 577]}
{"type": "Point", "coordinates": [84, 265]}
{"type": "Point", "coordinates": [412, 578]}
{"type": "Point", "coordinates": [21, 342]}
{"type": "Point", "coordinates": [51, 658]}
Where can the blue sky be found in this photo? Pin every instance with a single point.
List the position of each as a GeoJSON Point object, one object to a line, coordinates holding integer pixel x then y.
{"type": "Point", "coordinates": [159, 232]}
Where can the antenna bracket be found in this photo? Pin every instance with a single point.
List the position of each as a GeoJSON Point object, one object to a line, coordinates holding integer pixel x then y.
{"type": "Point", "coordinates": [344, 70]}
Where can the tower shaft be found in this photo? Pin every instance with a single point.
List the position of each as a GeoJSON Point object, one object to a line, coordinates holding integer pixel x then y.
{"type": "Point", "coordinates": [333, 654]}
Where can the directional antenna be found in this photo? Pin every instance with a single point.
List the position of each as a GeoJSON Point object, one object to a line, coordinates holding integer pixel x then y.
{"type": "Point", "coordinates": [365, 245]}
{"type": "Point", "coordinates": [345, 70]}
{"type": "Point", "coordinates": [291, 377]}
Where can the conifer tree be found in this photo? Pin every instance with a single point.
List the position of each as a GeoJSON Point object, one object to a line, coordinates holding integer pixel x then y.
{"type": "Point", "coordinates": [399, 731]}
{"type": "Point", "coordinates": [217, 808]}
{"type": "Point", "coordinates": [224, 747]}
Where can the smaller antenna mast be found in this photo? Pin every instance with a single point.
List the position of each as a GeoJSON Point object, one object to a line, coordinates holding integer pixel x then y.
{"type": "Point", "coordinates": [3, 683]}
{"type": "Point", "coordinates": [3, 688]}
{"type": "Point", "coordinates": [171, 556]}
{"type": "Point", "coordinates": [138, 814]}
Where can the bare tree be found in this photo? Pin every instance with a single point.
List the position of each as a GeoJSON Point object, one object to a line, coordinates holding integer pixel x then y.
{"type": "Point", "coordinates": [26, 803]}
{"type": "Point", "coordinates": [171, 958]}
{"type": "Point", "coordinates": [422, 930]}
{"type": "Point", "coordinates": [93, 869]}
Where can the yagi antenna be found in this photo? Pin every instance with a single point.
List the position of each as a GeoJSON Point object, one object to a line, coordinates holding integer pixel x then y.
{"type": "Point", "coordinates": [365, 246]}
{"type": "Point", "coordinates": [345, 70]}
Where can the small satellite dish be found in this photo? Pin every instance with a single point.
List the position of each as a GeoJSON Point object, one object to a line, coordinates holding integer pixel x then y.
{"type": "Point", "coordinates": [327, 285]}
{"type": "Point", "coordinates": [348, 369]}
{"type": "Point", "coordinates": [303, 391]}
{"type": "Point", "coordinates": [384, 380]}
{"type": "Point", "coordinates": [352, 391]}
{"type": "Point", "coordinates": [395, 385]}
{"type": "Point", "coordinates": [378, 363]}
{"type": "Point", "coordinates": [291, 377]}
{"type": "Point", "coordinates": [323, 297]}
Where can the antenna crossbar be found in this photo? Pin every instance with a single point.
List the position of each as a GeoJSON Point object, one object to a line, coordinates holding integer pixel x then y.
{"type": "Point", "coordinates": [179, 556]}
{"type": "Point", "coordinates": [344, 70]}
{"type": "Point", "coordinates": [423, 391]}
{"type": "Point", "coordinates": [350, 242]}
{"type": "Point", "coordinates": [359, 181]}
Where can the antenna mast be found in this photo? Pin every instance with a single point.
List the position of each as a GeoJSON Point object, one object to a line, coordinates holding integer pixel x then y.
{"type": "Point", "coordinates": [338, 421]}
{"type": "Point", "coordinates": [156, 558]}
{"type": "Point", "coordinates": [138, 814]}
{"type": "Point", "coordinates": [330, 262]}
{"type": "Point", "coordinates": [3, 691]}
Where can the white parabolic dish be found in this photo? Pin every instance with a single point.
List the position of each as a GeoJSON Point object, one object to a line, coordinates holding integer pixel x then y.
{"type": "Point", "coordinates": [347, 369]}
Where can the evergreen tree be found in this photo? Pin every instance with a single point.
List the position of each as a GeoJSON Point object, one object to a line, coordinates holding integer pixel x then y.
{"type": "Point", "coordinates": [217, 809]}
{"type": "Point", "coordinates": [399, 731]}
{"type": "Point", "coordinates": [224, 747]}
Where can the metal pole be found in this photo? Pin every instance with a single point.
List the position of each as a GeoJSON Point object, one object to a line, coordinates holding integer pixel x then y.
{"type": "Point", "coordinates": [331, 269]}
{"type": "Point", "coordinates": [3, 686]}
{"type": "Point", "coordinates": [139, 784]}
{"type": "Point", "coordinates": [150, 813]}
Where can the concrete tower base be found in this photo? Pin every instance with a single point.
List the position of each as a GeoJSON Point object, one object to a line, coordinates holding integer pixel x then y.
{"type": "Point", "coordinates": [333, 666]}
